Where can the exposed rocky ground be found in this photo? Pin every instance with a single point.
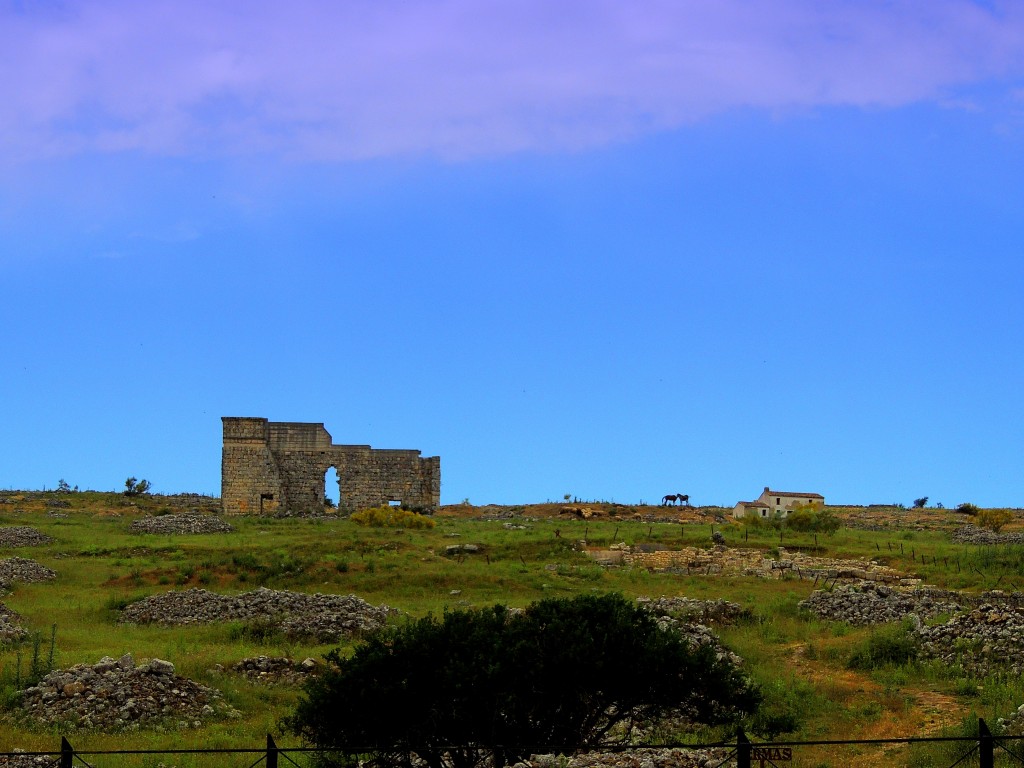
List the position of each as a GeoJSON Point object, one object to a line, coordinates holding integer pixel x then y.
{"type": "Point", "coordinates": [324, 617]}
{"type": "Point", "coordinates": [972, 534]}
{"type": "Point", "coordinates": [22, 536]}
{"type": "Point", "coordinates": [275, 670]}
{"type": "Point", "coordinates": [868, 602]}
{"type": "Point", "coordinates": [20, 569]}
{"type": "Point", "coordinates": [118, 695]}
{"type": "Point", "coordinates": [187, 522]}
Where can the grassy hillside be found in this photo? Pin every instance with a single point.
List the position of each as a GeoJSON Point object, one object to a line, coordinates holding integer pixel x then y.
{"type": "Point", "coordinates": [801, 661]}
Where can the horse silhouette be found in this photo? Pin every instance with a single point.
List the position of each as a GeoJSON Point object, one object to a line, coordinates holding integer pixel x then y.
{"type": "Point", "coordinates": [674, 498]}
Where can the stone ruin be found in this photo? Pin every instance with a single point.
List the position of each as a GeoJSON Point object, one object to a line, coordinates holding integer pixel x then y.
{"type": "Point", "coordinates": [279, 468]}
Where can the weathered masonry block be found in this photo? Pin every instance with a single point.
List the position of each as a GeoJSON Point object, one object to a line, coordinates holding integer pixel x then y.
{"type": "Point", "coordinates": [278, 468]}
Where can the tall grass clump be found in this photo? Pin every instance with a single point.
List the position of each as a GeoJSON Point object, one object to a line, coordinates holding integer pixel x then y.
{"type": "Point", "coordinates": [391, 517]}
{"type": "Point", "coordinates": [889, 645]}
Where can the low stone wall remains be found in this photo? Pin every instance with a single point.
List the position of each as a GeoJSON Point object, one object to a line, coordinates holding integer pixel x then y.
{"type": "Point", "coordinates": [972, 534]}
{"type": "Point", "coordinates": [323, 617]}
{"type": "Point", "coordinates": [752, 562]}
{"type": "Point", "coordinates": [693, 610]}
{"type": "Point", "coordinates": [986, 639]}
{"type": "Point", "coordinates": [184, 523]}
{"type": "Point", "coordinates": [869, 603]}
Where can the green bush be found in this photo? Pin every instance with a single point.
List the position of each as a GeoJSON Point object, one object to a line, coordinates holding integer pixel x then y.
{"type": "Point", "coordinates": [490, 686]}
{"type": "Point", "coordinates": [890, 644]}
{"type": "Point", "coordinates": [391, 517]}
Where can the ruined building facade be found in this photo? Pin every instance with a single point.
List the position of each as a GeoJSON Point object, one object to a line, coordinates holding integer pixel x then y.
{"type": "Point", "coordinates": [279, 468]}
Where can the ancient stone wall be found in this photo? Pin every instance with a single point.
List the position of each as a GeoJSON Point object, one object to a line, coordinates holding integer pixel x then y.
{"type": "Point", "coordinates": [279, 467]}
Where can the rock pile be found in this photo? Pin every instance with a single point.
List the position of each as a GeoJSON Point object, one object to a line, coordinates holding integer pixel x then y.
{"type": "Point", "coordinates": [986, 639]}
{"type": "Point", "coordinates": [635, 758]}
{"type": "Point", "coordinates": [22, 536]}
{"type": "Point", "coordinates": [10, 630]}
{"type": "Point", "coordinates": [276, 670]}
{"type": "Point", "coordinates": [325, 618]}
{"type": "Point", "coordinates": [20, 569]}
{"type": "Point", "coordinates": [118, 695]}
{"type": "Point", "coordinates": [867, 603]}
{"type": "Point", "coordinates": [972, 534]}
{"type": "Point", "coordinates": [689, 609]}
{"type": "Point", "coordinates": [180, 524]}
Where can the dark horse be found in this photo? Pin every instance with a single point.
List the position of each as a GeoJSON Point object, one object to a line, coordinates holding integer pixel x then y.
{"type": "Point", "coordinates": [672, 498]}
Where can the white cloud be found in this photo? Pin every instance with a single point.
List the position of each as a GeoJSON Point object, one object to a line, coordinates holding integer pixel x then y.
{"type": "Point", "coordinates": [336, 81]}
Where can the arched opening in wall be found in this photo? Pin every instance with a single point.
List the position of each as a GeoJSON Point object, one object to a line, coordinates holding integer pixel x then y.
{"type": "Point", "coordinates": [394, 503]}
{"type": "Point", "coordinates": [332, 488]}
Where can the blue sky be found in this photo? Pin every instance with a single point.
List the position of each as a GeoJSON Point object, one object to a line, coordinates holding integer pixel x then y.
{"type": "Point", "coordinates": [587, 248]}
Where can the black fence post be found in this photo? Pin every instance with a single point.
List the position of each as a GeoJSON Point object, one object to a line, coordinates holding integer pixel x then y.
{"type": "Point", "coordinates": [986, 745]}
{"type": "Point", "coordinates": [742, 749]}
{"type": "Point", "coordinates": [67, 753]}
{"type": "Point", "coordinates": [271, 752]}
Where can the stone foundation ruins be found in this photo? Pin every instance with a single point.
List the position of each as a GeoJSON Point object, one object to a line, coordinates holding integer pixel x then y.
{"type": "Point", "coordinates": [278, 468]}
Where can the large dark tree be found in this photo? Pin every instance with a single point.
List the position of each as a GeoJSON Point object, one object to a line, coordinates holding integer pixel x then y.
{"type": "Point", "coordinates": [564, 674]}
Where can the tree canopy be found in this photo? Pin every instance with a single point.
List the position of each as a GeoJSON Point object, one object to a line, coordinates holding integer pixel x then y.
{"type": "Point", "coordinates": [564, 674]}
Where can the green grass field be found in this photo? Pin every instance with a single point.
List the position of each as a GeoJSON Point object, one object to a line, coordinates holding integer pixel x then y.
{"type": "Point", "coordinates": [800, 661]}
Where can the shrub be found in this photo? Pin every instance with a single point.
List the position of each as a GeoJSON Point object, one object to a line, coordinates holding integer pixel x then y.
{"type": "Point", "coordinates": [391, 517]}
{"type": "Point", "coordinates": [891, 644]}
{"type": "Point", "coordinates": [260, 631]}
{"type": "Point", "coordinates": [134, 487]}
{"type": "Point", "coordinates": [967, 509]}
{"type": "Point", "coordinates": [809, 518]}
{"type": "Point", "coordinates": [482, 686]}
{"type": "Point", "coordinates": [993, 519]}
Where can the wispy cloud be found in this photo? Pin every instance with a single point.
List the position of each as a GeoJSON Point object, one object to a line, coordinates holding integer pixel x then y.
{"type": "Point", "coordinates": [372, 78]}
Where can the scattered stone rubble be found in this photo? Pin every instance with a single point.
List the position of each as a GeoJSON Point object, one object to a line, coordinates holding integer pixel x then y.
{"type": "Point", "coordinates": [118, 695]}
{"type": "Point", "coordinates": [635, 758]}
{"type": "Point", "coordinates": [275, 670]}
{"type": "Point", "coordinates": [326, 618]}
{"type": "Point", "coordinates": [22, 536]}
{"type": "Point", "coordinates": [868, 602]}
{"type": "Point", "coordinates": [972, 534]}
{"type": "Point", "coordinates": [20, 569]}
{"type": "Point", "coordinates": [181, 524]}
{"type": "Point", "coordinates": [22, 759]}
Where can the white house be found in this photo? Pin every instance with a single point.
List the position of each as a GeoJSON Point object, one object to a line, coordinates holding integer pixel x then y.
{"type": "Point", "coordinates": [771, 503]}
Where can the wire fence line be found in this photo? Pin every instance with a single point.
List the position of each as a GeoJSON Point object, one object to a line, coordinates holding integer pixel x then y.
{"type": "Point", "coordinates": [980, 750]}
